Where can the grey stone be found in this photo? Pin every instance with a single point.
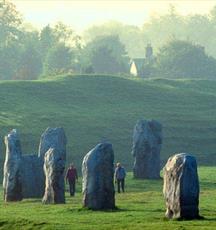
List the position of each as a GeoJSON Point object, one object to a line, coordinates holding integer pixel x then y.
{"type": "Point", "coordinates": [32, 176]}
{"type": "Point", "coordinates": [29, 169]}
{"type": "Point", "coordinates": [26, 171]}
{"type": "Point", "coordinates": [147, 142]}
{"type": "Point", "coordinates": [98, 170]}
{"type": "Point", "coordinates": [53, 150]}
{"type": "Point", "coordinates": [52, 138]}
{"type": "Point", "coordinates": [12, 184]}
{"type": "Point", "coordinates": [54, 165]}
{"type": "Point", "coordinates": [181, 187]}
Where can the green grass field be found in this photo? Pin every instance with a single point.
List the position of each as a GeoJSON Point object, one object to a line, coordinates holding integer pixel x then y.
{"type": "Point", "coordinates": [141, 207]}
{"type": "Point", "coordinates": [92, 108]}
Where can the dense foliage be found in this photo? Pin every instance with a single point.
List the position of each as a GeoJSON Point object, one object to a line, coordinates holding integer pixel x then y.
{"type": "Point", "coordinates": [27, 53]}
{"type": "Point", "coordinates": [181, 59]}
{"type": "Point", "coordinates": [107, 55]}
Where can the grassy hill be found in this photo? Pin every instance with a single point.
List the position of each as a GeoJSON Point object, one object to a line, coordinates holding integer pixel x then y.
{"type": "Point", "coordinates": [93, 108]}
{"type": "Point", "coordinates": [141, 207]}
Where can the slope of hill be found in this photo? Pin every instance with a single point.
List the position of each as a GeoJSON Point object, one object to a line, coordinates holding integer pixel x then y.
{"type": "Point", "coordinates": [93, 108]}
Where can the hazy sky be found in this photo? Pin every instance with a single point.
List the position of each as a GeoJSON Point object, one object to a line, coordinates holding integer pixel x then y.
{"type": "Point", "coordinates": [83, 13]}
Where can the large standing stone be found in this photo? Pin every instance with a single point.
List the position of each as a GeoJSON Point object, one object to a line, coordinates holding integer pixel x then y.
{"type": "Point", "coordinates": [53, 150]}
{"type": "Point", "coordinates": [23, 174]}
{"type": "Point", "coordinates": [12, 184]}
{"type": "Point", "coordinates": [32, 176]}
{"type": "Point", "coordinates": [97, 170]}
{"type": "Point", "coordinates": [54, 165]}
{"type": "Point", "coordinates": [147, 142]}
{"type": "Point", "coordinates": [181, 187]}
{"type": "Point", "coordinates": [29, 168]}
{"type": "Point", "coordinates": [52, 138]}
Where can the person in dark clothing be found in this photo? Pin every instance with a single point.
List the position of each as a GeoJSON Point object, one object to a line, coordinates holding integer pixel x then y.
{"type": "Point", "coordinates": [120, 175]}
{"type": "Point", "coordinates": [72, 177]}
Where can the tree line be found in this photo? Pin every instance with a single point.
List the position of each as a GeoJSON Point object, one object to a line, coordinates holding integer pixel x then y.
{"type": "Point", "coordinates": [184, 46]}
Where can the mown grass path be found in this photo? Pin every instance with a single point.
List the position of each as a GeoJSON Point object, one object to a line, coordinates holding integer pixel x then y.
{"type": "Point", "coordinates": [141, 207]}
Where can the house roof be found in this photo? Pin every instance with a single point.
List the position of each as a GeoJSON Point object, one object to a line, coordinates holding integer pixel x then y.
{"type": "Point", "coordinates": [139, 62]}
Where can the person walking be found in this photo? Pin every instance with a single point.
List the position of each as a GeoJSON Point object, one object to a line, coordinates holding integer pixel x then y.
{"type": "Point", "coordinates": [72, 177]}
{"type": "Point", "coordinates": [120, 175]}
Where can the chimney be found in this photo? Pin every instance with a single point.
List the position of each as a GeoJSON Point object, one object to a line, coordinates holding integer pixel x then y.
{"type": "Point", "coordinates": [149, 51]}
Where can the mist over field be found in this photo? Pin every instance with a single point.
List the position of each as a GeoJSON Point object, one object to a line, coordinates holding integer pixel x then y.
{"type": "Point", "coordinates": [181, 38]}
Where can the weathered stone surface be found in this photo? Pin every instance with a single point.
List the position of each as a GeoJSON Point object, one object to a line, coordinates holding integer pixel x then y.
{"type": "Point", "coordinates": [12, 168]}
{"type": "Point", "coordinates": [29, 169]}
{"type": "Point", "coordinates": [24, 174]}
{"type": "Point", "coordinates": [147, 142]}
{"type": "Point", "coordinates": [54, 165]}
{"type": "Point", "coordinates": [181, 187]}
{"type": "Point", "coordinates": [53, 150]}
{"type": "Point", "coordinates": [52, 138]}
{"type": "Point", "coordinates": [32, 176]}
{"type": "Point", "coordinates": [97, 170]}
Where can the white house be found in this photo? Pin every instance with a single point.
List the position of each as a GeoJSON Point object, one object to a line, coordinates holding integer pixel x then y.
{"type": "Point", "coordinates": [137, 65]}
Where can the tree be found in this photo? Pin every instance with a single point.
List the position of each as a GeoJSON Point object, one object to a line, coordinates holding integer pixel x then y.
{"type": "Point", "coordinates": [30, 64]}
{"type": "Point", "coordinates": [9, 57]}
{"type": "Point", "coordinates": [47, 41]}
{"type": "Point", "coordinates": [106, 55]}
{"type": "Point", "coordinates": [130, 36]}
{"type": "Point", "coordinates": [60, 33]}
{"type": "Point", "coordinates": [55, 42]}
{"type": "Point", "coordinates": [59, 60]}
{"type": "Point", "coordinates": [181, 59]}
{"type": "Point", "coordinates": [65, 34]}
{"type": "Point", "coordinates": [10, 21]}
{"type": "Point", "coordinates": [162, 28]}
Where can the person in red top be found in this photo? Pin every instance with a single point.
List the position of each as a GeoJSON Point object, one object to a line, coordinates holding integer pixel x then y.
{"type": "Point", "coordinates": [72, 177]}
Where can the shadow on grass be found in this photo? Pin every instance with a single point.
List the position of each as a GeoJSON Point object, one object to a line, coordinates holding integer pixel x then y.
{"type": "Point", "coordinates": [116, 209]}
{"type": "Point", "coordinates": [32, 201]}
{"type": "Point", "coordinates": [21, 223]}
{"type": "Point", "coordinates": [144, 185]}
{"type": "Point", "coordinates": [198, 218]}
{"type": "Point", "coordinates": [207, 185]}
{"type": "Point", "coordinates": [210, 219]}
{"type": "Point", "coordinates": [3, 222]}
{"type": "Point", "coordinates": [158, 210]}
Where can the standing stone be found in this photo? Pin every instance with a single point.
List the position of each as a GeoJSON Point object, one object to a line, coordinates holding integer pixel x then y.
{"type": "Point", "coordinates": [32, 176]}
{"type": "Point", "coordinates": [54, 165]}
{"type": "Point", "coordinates": [12, 174]}
{"type": "Point", "coordinates": [147, 142]}
{"type": "Point", "coordinates": [97, 170]}
{"type": "Point", "coordinates": [52, 138]}
{"type": "Point", "coordinates": [23, 174]}
{"type": "Point", "coordinates": [53, 150]}
{"type": "Point", "coordinates": [181, 187]}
